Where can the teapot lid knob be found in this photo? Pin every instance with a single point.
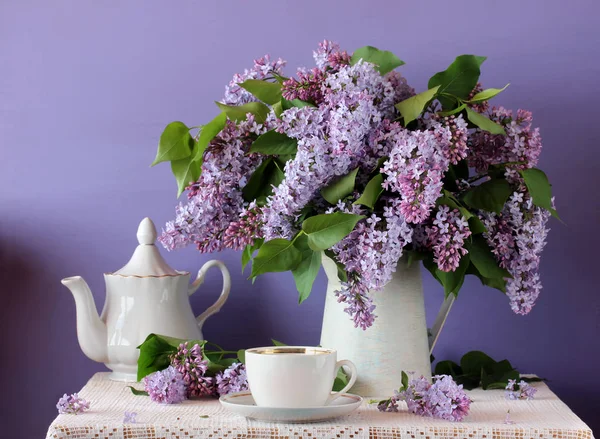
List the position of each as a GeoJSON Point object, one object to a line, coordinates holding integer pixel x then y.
{"type": "Point", "coordinates": [146, 233]}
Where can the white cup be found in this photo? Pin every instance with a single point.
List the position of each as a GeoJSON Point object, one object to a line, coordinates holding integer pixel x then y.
{"type": "Point", "coordinates": [294, 376]}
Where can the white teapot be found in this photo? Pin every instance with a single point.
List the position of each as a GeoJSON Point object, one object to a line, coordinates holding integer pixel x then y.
{"type": "Point", "coordinates": [145, 296]}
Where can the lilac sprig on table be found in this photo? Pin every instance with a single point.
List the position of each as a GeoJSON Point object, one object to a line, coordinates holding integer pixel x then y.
{"type": "Point", "coordinates": [189, 361]}
{"type": "Point", "coordinates": [166, 386]}
{"type": "Point", "coordinates": [72, 404]}
{"type": "Point", "coordinates": [442, 398]}
{"type": "Point", "coordinates": [522, 390]}
{"type": "Point", "coordinates": [344, 160]}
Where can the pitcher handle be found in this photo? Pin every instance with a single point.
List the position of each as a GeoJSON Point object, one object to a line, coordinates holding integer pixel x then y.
{"type": "Point", "coordinates": [215, 307]}
{"type": "Point", "coordinates": [440, 320]}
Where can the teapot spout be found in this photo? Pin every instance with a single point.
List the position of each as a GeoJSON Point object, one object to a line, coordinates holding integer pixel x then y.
{"type": "Point", "coordinates": [91, 330]}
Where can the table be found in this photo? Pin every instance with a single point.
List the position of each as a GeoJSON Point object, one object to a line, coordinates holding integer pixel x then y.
{"type": "Point", "coordinates": [544, 417]}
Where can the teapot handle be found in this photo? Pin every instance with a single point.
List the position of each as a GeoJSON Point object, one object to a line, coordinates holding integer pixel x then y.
{"type": "Point", "coordinates": [438, 324]}
{"type": "Point", "coordinates": [215, 307]}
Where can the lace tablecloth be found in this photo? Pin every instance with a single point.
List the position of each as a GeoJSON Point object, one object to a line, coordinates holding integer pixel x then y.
{"type": "Point", "coordinates": [544, 417]}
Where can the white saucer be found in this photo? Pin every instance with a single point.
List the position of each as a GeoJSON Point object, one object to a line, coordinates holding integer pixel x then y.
{"type": "Point", "coordinates": [243, 404]}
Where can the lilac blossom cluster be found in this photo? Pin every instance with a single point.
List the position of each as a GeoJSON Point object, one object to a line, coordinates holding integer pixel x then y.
{"type": "Point", "coordinates": [444, 399]}
{"type": "Point", "coordinates": [166, 386]}
{"type": "Point", "coordinates": [72, 404]}
{"type": "Point", "coordinates": [517, 237]}
{"type": "Point", "coordinates": [523, 390]}
{"type": "Point", "coordinates": [347, 120]}
{"type": "Point", "coordinates": [190, 362]}
{"type": "Point", "coordinates": [233, 379]}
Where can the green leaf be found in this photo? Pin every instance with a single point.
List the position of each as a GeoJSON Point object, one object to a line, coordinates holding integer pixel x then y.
{"type": "Point", "coordinates": [294, 103]}
{"type": "Point", "coordinates": [496, 283]}
{"type": "Point", "coordinates": [262, 180]}
{"type": "Point", "coordinates": [448, 367]}
{"type": "Point", "coordinates": [249, 250]}
{"type": "Point", "coordinates": [372, 192]}
{"type": "Point", "coordinates": [277, 343]}
{"type": "Point", "coordinates": [277, 109]}
{"type": "Point", "coordinates": [156, 351]}
{"type": "Point", "coordinates": [484, 123]}
{"type": "Point", "coordinates": [384, 60]}
{"type": "Point", "coordinates": [204, 416]}
{"type": "Point", "coordinates": [274, 143]}
{"type": "Point", "coordinates": [208, 133]}
{"type": "Point", "coordinates": [328, 229]}
{"type": "Point", "coordinates": [268, 92]}
{"type": "Point", "coordinates": [452, 112]}
{"type": "Point", "coordinates": [186, 170]}
{"type": "Point", "coordinates": [452, 280]}
{"type": "Point", "coordinates": [306, 272]}
{"type": "Point", "coordinates": [539, 188]}
{"type": "Point", "coordinates": [476, 226]}
{"type": "Point", "coordinates": [240, 112]}
{"type": "Point", "coordinates": [137, 392]}
{"type": "Point", "coordinates": [241, 354]}
{"type": "Point", "coordinates": [411, 108]}
{"type": "Point", "coordinates": [483, 259]}
{"type": "Point", "coordinates": [404, 380]}
{"type": "Point", "coordinates": [459, 79]}
{"type": "Point", "coordinates": [275, 256]}
{"type": "Point", "coordinates": [340, 188]}
{"type": "Point", "coordinates": [486, 94]}
{"type": "Point", "coordinates": [174, 143]}
{"type": "Point", "coordinates": [341, 380]}
{"type": "Point", "coordinates": [490, 196]}
{"type": "Point", "coordinates": [341, 269]}
{"type": "Point", "coordinates": [472, 362]}
{"type": "Point", "coordinates": [216, 362]}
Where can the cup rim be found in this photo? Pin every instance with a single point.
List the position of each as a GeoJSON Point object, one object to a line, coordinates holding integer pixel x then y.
{"type": "Point", "coordinates": [290, 350]}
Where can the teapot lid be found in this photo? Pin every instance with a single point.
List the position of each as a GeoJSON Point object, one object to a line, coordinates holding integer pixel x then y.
{"type": "Point", "coordinates": [146, 259]}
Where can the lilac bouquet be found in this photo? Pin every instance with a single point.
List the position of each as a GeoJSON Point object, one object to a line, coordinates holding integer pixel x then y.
{"type": "Point", "coordinates": [346, 161]}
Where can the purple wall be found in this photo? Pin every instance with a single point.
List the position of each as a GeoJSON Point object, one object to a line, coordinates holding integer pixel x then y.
{"type": "Point", "coordinates": [87, 87]}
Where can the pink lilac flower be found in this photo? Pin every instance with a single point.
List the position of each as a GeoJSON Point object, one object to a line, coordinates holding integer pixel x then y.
{"type": "Point", "coordinates": [246, 229]}
{"type": "Point", "coordinates": [370, 254]}
{"type": "Point", "coordinates": [480, 107]}
{"type": "Point", "coordinates": [444, 399]}
{"type": "Point", "coordinates": [190, 362]}
{"type": "Point", "coordinates": [517, 237]}
{"type": "Point", "coordinates": [523, 390]}
{"type": "Point", "coordinates": [415, 167]}
{"type": "Point", "coordinates": [522, 144]}
{"type": "Point", "coordinates": [456, 147]}
{"type": "Point", "coordinates": [233, 379]}
{"type": "Point", "coordinates": [306, 87]}
{"type": "Point", "coordinates": [330, 56]}
{"type": "Point", "coordinates": [72, 404]}
{"type": "Point", "coordinates": [507, 419]}
{"type": "Point", "coordinates": [166, 386]}
{"type": "Point", "coordinates": [216, 198]}
{"type": "Point", "coordinates": [263, 68]}
{"type": "Point", "coordinates": [446, 237]}
{"type": "Point", "coordinates": [129, 418]}
{"type": "Point", "coordinates": [388, 405]}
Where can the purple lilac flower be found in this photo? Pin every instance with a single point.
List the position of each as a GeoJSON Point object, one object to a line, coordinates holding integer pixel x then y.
{"type": "Point", "coordinates": [523, 390]}
{"type": "Point", "coordinates": [215, 200]}
{"type": "Point", "coordinates": [517, 237]}
{"type": "Point", "coordinates": [189, 361]}
{"type": "Point", "coordinates": [370, 254]}
{"type": "Point", "coordinates": [522, 144]}
{"type": "Point", "coordinates": [388, 405]}
{"type": "Point", "coordinates": [166, 386]}
{"type": "Point", "coordinates": [233, 379]}
{"type": "Point", "coordinates": [446, 237]}
{"type": "Point", "coordinates": [263, 67]}
{"type": "Point", "coordinates": [456, 149]}
{"type": "Point", "coordinates": [246, 229]}
{"type": "Point", "coordinates": [480, 107]}
{"type": "Point", "coordinates": [444, 399]}
{"type": "Point", "coordinates": [415, 168]}
{"type": "Point", "coordinates": [507, 419]}
{"type": "Point", "coordinates": [129, 418]}
{"type": "Point", "coordinates": [72, 404]}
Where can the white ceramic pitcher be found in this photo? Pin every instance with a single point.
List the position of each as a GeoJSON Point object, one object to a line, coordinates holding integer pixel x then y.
{"type": "Point", "coordinates": [145, 296]}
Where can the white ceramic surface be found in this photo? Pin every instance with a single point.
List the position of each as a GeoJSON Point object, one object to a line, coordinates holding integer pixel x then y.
{"type": "Point", "coordinates": [294, 376]}
{"type": "Point", "coordinates": [243, 404]}
{"type": "Point", "coordinates": [398, 340]}
{"type": "Point", "coordinates": [145, 296]}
